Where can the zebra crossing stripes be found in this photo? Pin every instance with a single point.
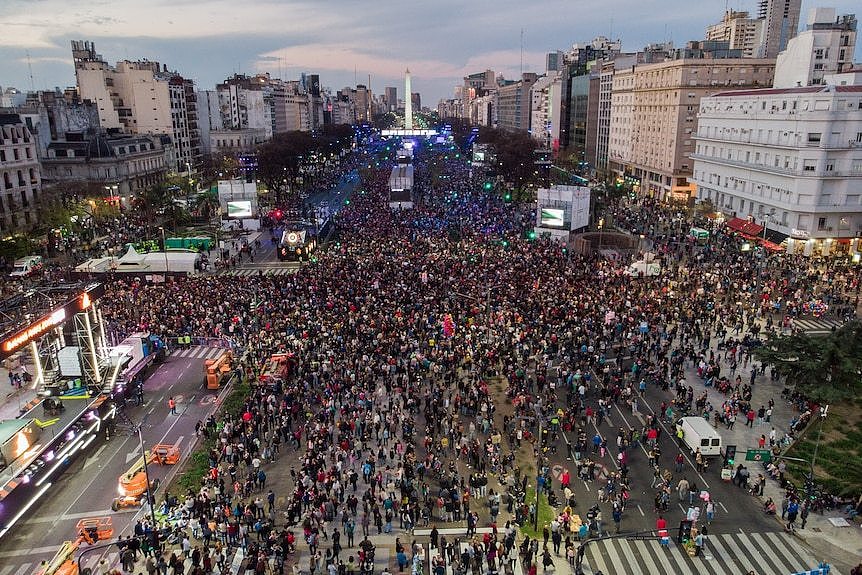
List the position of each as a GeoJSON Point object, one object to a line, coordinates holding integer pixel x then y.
{"type": "Point", "coordinates": [816, 326]}
{"type": "Point", "coordinates": [246, 272]}
{"type": "Point", "coordinates": [199, 352]}
{"type": "Point", "coordinates": [763, 553]}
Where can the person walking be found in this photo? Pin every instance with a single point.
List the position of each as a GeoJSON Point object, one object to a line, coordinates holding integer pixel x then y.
{"type": "Point", "coordinates": [682, 489]}
{"type": "Point", "coordinates": [803, 514]}
{"type": "Point", "coordinates": [172, 405]}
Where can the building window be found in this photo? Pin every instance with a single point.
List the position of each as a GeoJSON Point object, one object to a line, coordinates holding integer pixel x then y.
{"type": "Point", "coordinates": [809, 165]}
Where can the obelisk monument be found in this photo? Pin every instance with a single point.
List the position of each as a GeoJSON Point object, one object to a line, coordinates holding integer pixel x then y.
{"type": "Point", "coordinates": [408, 102]}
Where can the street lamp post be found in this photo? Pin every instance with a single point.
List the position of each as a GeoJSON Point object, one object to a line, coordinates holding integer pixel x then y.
{"type": "Point", "coordinates": [165, 249]}
{"type": "Point", "coordinates": [823, 412]}
{"type": "Point", "coordinates": [538, 474]}
{"type": "Point", "coordinates": [151, 500]}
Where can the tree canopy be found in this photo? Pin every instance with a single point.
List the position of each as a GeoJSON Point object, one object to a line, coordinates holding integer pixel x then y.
{"type": "Point", "coordinates": [824, 368]}
{"type": "Point", "coordinates": [279, 159]}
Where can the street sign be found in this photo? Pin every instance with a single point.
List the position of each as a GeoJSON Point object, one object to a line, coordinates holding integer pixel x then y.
{"type": "Point", "coordinates": [763, 455]}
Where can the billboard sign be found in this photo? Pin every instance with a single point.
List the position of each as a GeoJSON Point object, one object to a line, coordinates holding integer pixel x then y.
{"type": "Point", "coordinates": [239, 209]}
{"type": "Point", "coordinates": [81, 302]}
{"type": "Point", "coordinates": [553, 218]}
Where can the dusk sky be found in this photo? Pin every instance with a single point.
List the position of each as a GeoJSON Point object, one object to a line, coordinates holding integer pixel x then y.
{"type": "Point", "coordinates": [341, 40]}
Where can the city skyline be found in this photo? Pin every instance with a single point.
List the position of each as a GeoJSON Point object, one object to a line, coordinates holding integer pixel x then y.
{"type": "Point", "coordinates": [207, 40]}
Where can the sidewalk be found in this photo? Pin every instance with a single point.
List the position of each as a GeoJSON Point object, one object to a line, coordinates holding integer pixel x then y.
{"type": "Point", "coordinates": [11, 400]}
{"type": "Point", "coordinates": [839, 546]}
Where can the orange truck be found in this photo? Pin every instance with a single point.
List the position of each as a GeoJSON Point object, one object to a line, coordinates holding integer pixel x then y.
{"type": "Point", "coordinates": [277, 370]}
{"type": "Point", "coordinates": [90, 530]}
{"type": "Point", "coordinates": [217, 371]}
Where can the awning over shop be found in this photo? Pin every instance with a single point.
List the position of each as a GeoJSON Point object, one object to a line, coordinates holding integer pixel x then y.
{"type": "Point", "coordinates": [744, 227]}
{"type": "Point", "coordinates": [771, 246]}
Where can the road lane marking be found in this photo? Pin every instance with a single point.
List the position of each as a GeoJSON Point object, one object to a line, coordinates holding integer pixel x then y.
{"type": "Point", "coordinates": [23, 569]}
{"type": "Point", "coordinates": [5, 570]}
{"type": "Point", "coordinates": [723, 507]}
{"type": "Point", "coordinates": [70, 516]}
{"type": "Point", "coordinates": [642, 511]}
{"type": "Point", "coordinates": [86, 488]}
{"type": "Point", "coordinates": [30, 551]}
{"type": "Point", "coordinates": [673, 435]}
{"type": "Point", "coordinates": [94, 458]}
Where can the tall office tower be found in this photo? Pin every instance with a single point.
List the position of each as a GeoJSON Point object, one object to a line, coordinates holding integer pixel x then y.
{"type": "Point", "coordinates": [781, 24]}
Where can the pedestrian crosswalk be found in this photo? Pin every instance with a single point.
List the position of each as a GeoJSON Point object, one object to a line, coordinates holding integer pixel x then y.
{"type": "Point", "coordinates": [763, 553]}
{"type": "Point", "coordinates": [816, 326]}
{"type": "Point", "coordinates": [95, 563]}
{"type": "Point", "coordinates": [250, 272]}
{"type": "Point", "coordinates": [197, 352]}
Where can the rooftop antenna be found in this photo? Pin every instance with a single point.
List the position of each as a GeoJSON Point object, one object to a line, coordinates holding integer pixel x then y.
{"type": "Point", "coordinates": [355, 82]}
{"type": "Point", "coordinates": [522, 51]}
{"type": "Point", "coordinates": [30, 67]}
{"type": "Point", "coordinates": [612, 29]}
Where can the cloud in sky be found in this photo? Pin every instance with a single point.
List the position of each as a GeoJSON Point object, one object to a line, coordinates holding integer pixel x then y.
{"type": "Point", "coordinates": [439, 41]}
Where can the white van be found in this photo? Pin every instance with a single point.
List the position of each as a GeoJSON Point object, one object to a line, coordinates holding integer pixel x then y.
{"type": "Point", "coordinates": [642, 268]}
{"type": "Point", "coordinates": [25, 266]}
{"type": "Point", "coordinates": [698, 433]}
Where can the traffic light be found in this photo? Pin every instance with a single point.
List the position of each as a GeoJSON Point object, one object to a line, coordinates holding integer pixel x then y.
{"type": "Point", "coordinates": [508, 197]}
{"type": "Point", "coordinates": [531, 235]}
{"type": "Point", "coordinates": [487, 186]}
{"type": "Point", "coordinates": [505, 243]}
{"type": "Point", "coordinates": [729, 454]}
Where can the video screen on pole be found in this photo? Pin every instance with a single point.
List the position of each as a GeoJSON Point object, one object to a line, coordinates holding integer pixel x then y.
{"type": "Point", "coordinates": [553, 218]}
{"type": "Point", "coordinates": [239, 209]}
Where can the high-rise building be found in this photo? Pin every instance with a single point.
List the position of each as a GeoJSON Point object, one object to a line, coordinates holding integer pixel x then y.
{"type": "Point", "coordinates": [140, 97]}
{"type": "Point", "coordinates": [654, 113]}
{"type": "Point", "coordinates": [209, 117]}
{"type": "Point", "coordinates": [20, 192]}
{"type": "Point", "coordinates": [247, 103]}
{"type": "Point", "coordinates": [739, 31]}
{"type": "Point", "coordinates": [545, 111]}
{"type": "Point", "coordinates": [361, 98]}
{"type": "Point", "coordinates": [781, 22]}
{"type": "Point", "coordinates": [391, 97]}
{"type": "Point", "coordinates": [184, 123]}
{"type": "Point", "coordinates": [575, 90]}
{"type": "Point", "coordinates": [786, 163]}
{"type": "Point", "coordinates": [826, 46]}
{"type": "Point", "coordinates": [513, 103]}
{"type": "Point", "coordinates": [476, 85]}
{"type": "Point", "coordinates": [555, 61]}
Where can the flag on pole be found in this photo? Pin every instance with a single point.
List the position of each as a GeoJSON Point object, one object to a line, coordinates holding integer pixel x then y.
{"type": "Point", "coordinates": [448, 326]}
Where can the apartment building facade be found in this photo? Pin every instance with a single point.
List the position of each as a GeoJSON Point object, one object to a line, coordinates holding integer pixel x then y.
{"type": "Point", "coordinates": [140, 97]}
{"type": "Point", "coordinates": [513, 103]}
{"type": "Point", "coordinates": [789, 160]}
{"type": "Point", "coordinates": [20, 176]}
{"type": "Point", "coordinates": [825, 47]}
{"type": "Point", "coordinates": [654, 117]}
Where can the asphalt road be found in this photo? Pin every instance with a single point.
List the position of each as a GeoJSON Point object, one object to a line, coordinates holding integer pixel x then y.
{"type": "Point", "coordinates": [735, 509]}
{"type": "Point", "coordinates": [88, 487]}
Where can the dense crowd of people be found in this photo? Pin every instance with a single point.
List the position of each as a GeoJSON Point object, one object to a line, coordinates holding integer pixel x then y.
{"type": "Point", "coordinates": [401, 331]}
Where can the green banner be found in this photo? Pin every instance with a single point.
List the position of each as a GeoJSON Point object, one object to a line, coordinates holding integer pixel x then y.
{"type": "Point", "coordinates": [763, 455]}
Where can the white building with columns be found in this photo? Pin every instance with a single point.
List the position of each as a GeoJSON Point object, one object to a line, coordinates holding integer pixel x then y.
{"type": "Point", "coordinates": [787, 159]}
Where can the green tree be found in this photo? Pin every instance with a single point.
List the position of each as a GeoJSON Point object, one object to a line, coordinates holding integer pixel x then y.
{"type": "Point", "coordinates": [826, 369]}
{"type": "Point", "coordinates": [515, 154]}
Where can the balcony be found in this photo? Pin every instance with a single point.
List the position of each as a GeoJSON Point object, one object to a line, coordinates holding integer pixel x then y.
{"type": "Point", "coordinates": [781, 171]}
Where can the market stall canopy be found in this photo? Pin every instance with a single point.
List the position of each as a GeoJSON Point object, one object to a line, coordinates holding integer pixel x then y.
{"type": "Point", "coordinates": [744, 227]}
